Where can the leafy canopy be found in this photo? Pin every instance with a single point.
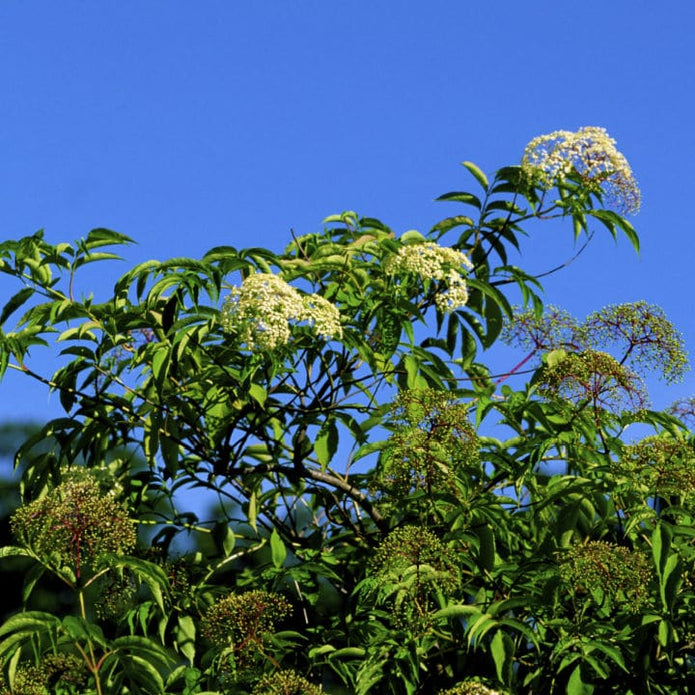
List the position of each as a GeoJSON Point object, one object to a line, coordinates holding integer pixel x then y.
{"type": "Point", "coordinates": [375, 512]}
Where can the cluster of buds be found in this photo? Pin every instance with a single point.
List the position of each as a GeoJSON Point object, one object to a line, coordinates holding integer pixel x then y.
{"type": "Point", "coordinates": [684, 410]}
{"type": "Point", "coordinates": [433, 263]}
{"type": "Point", "coordinates": [115, 598]}
{"type": "Point", "coordinates": [554, 328]}
{"type": "Point", "coordinates": [243, 623]}
{"type": "Point", "coordinates": [179, 571]}
{"type": "Point", "coordinates": [409, 566]}
{"type": "Point", "coordinates": [432, 442]}
{"type": "Point", "coordinates": [607, 570]}
{"type": "Point", "coordinates": [285, 682]}
{"type": "Point", "coordinates": [57, 672]}
{"type": "Point", "coordinates": [662, 464]}
{"type": "Point", "coordinates": [261, 312]}
{"type": "Point", "coordinates": [470, 687]}
{"type": "Point", "coordinates": [643, 333]}
{"type": "Point", "coordinates": [593, 378]}
{"type": "Point", "coordinates": [75, 524]}
{"type": "Point", "coordinates": [590, 153]}
{"type": "Point", "coordinates": [638, 333]}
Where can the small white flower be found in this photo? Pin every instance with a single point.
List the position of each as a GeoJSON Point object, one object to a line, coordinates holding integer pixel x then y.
{"type": "Point", "coordinates": [455, 296]}
{"type": "Point", "coordinates": [433, 262]}
{"type": "Point", "coordinates": [260, 312]}
{"type": "Point", "coordinates": [592, 153]}
{"type": "Point", "coordinates": [323, 315]}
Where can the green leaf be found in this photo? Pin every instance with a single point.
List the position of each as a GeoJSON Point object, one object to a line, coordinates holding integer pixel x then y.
{"type": "Point", "coordinates": [151, 439]}
{"type": "Point", "coordinates": [105, 237]}
{"type": "Point", "coordinates": [160, 365]}
{"type": "Point", "coordinates": [479, 627]}
{"type": "Point", "coordinates": [502, 649]}
{"type": "Point", "coordinates": [412, 236]}
{"type": "Point", "coordinates": [82, 630]}
{"type": "Point", "coordinates": [456, 611]}
{"type": "Point", "coordinates": [462, 197]}
{"type": "Point", "coordinates": [611, 220]}
{"type": "Point", "coordinates": [252, 513]}
{"type": "Point", "coordinates": [414, 380]}
{"type": "Point", "coordinates": [185, 635]}
{"type": "Point", "coordinates": [224, 537]}
{"type": "Point", "coordinates": [92, 257]}
{"type": "Point", "coordinates": [14, 303]}
{"type": "Point", "coordinates": [258, 393]}
{"type": "Point", "coordinates": [31, 578]}
{"type": "Point", "coordinates": [26, 626]}
{"type": "Point", "coordinates": [348, 653]}
{"type": "Point", "coordinates": [278, 551]}
{"type": "Point", "coordinates": [148, 572]}
{"type": "Point", "coordinates": [554, 357]}
{"type": "Point", "coordinates": [668, 565]}
{"type": "Point", "coordinates": [611, 651]}
{"type": "Point", "coordinates": [577, 686]}
{"type": "Point", "coordinates": [326, 442]}
{"type": "Point", "coordinates": [478, 174]}
{"type": "Point", "coordinates": [450, 223]}
{"type": "Point", "coordinates": [29, 621]}
{"type": "Point", "coordinates": [664, 633]}
{"type": "Point", "coordinates": [486, 548]}
{"type": "Point", "coordinates": [142, 662]}
{"type": "Point", "coordinates": [14, 551]}
{"type": "Point", "coordinates": [661, 545]}
{"type": "Point", "coordinates": [670, 581]}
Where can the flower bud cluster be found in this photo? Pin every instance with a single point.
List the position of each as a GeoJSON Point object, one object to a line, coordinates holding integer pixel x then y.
{"type": "Point", "coordinates": [664, 464]}
{"type": "Point", "coordinates": [591, 153]}
{"type": "Point", "coordinates": [431, 262]}
{"type": "Point", "coordinates": [285, 682]}
{"type": "Point", "coordinates": [595, 378]}
{"type": "Point", "coordinates": [261, 312]}
{"type": "Point", "coordinates": [637, 332]}
{"type": "Point", "coordinates": [554, 328]}
{"type": "Point", "coordinates": [684, 410]}
{"type": "Point", "coordinates": [619, 573]}
{"type": "Point", "coordinates": [75, 523]}
{"type": "Point", "coordinates": [647, 337]}
{"type": "Point", "coordinates": [413, 547]}
{"type": "Point", "coordinates": [432, 442]}
{"type": "Point", "coordinates": [115, 598]}
{"type": "Point", "coordinates": [105, 475]}
{"type": "Point", "coordinates": [470, 687]}
{"type": "Point", "coordinates": [408, 568]}
{"type": "Point", "coordinates": [243, 622]}
{"type": "Point", "coordinates": [55, 673]}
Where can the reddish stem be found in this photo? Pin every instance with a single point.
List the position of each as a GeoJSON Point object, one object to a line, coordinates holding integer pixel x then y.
{"type": "Point", "coordinates": [516, 368]}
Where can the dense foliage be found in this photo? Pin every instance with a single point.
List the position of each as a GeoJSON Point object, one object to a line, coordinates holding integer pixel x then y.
{"type": "Point", "coordinates": [294, 473]}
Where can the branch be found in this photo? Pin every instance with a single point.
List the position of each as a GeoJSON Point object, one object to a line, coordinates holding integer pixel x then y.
{"type": "Point", "coordinates": [566, 264]}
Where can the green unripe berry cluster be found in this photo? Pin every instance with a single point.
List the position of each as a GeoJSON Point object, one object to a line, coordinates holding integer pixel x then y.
{"type": "Point", "coordinates": [76, 524]}
{"type": "Point", "coordinates": [470, 688]}
{"type": "Point", "coordinates": [432, 442]}
{"type": "Point", "coordinates": [595, 378]}
{"type": "Point", "coordinates": [621, 574]}
{"type": "Point", "coordinates": [286, 682]}
{"type": "Point", "coordinates": [242, 621]}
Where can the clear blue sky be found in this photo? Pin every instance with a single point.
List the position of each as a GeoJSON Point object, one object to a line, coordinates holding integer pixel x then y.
{"type": "Point", "coordinates": [191, 124]}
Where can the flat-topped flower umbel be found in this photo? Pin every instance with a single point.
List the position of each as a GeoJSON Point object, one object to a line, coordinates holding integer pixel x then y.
{"type": "Point", "coordinates": [591, 153]}
{"type": "Point", "coordinates": [260, 312]}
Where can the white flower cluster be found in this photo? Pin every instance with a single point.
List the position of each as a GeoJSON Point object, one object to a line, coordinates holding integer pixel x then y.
{"type": "Point", "coordinates": [433, 262]}
{"type": "Point", "coordinates": [260, 312]}
{"type": "Point", "coordinates": [592, 153]}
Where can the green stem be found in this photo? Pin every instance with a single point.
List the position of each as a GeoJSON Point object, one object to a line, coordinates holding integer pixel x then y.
{"type": "Point", "coordinates": [90, 660]}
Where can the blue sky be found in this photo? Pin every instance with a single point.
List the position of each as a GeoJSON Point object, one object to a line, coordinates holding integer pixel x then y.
{"type": "Point", "coordinates": [191, 124]}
